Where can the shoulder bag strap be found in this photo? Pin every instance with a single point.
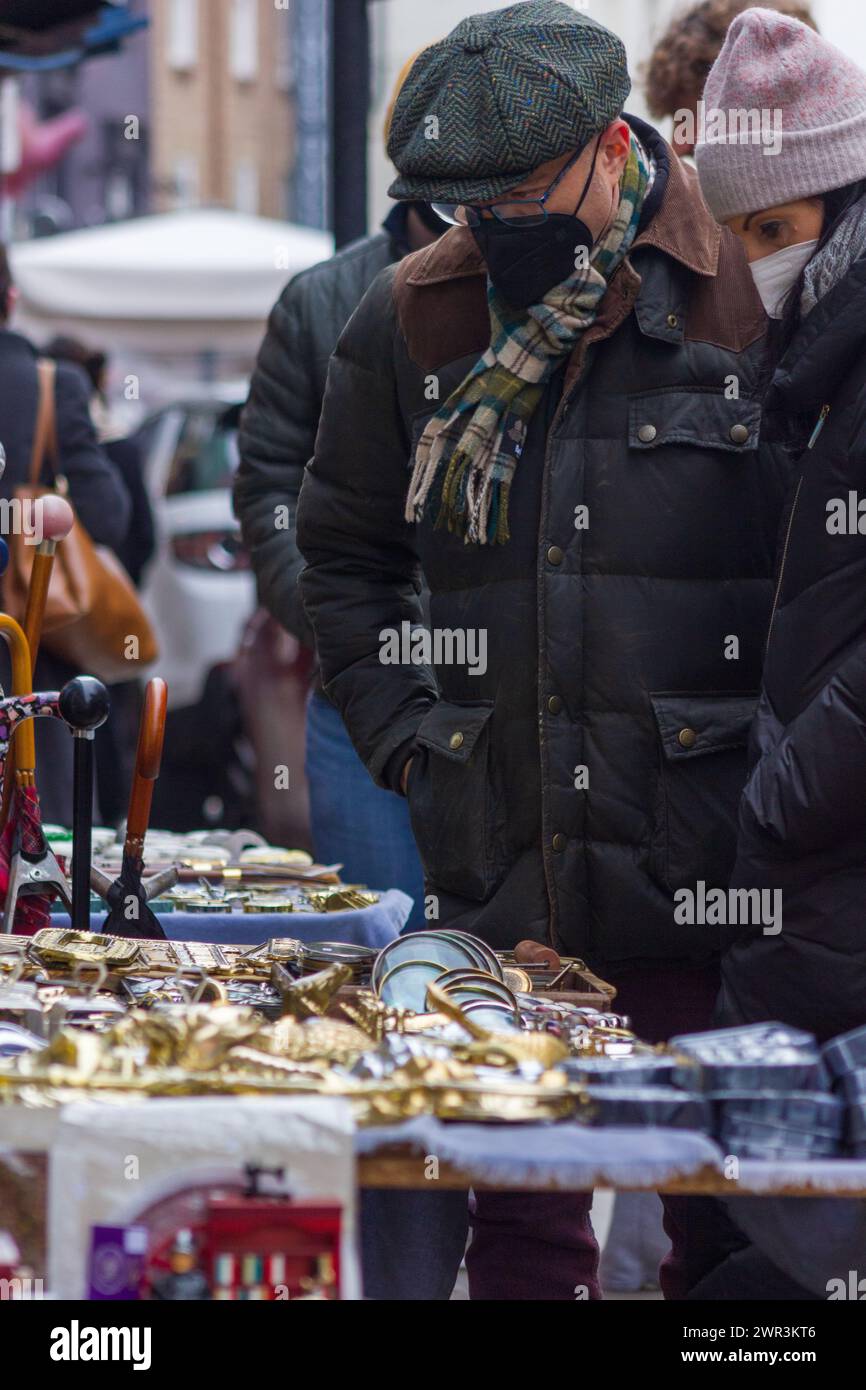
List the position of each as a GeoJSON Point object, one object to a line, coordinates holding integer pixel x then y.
{"type": "Point", "coordinates": [45, 432]}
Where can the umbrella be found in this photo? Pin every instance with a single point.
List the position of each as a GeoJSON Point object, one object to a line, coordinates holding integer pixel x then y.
{"type": "Point", "coordinates": [57, 519]}
{"type": "Point", "coordinates": [27, 865]}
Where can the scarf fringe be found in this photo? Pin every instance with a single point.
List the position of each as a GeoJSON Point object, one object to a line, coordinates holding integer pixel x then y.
{"type": "Point", "coordinates": [472, 445]}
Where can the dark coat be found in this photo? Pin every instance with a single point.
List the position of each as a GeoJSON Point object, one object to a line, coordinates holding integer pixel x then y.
{"type": "Point", "coordinates": [279, 422]}
{"type": "Point", "coordinates": [803, 818]}
{"type": "Point", "coordinates": [95, 486]}
{"type": "Point", "coordinates": [101, 502]}
{"type": "Point", "coordinates": [140, 543]}
{"type": "Point", "coordinates": [603, 644]}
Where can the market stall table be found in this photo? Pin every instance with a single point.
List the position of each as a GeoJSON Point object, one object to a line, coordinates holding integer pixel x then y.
{"type": "Point", "coordinates": [578, 1158]}
{"type": "Point", "coordinates": [538, 1158]}
{"type": "Point", "coordinates": [371, 926]}
{"type": "Point", "coordinates": [521, 1098]}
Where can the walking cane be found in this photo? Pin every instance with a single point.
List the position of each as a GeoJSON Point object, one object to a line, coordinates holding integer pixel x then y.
{"type": "Point", "coordinates": [84, 704]}
{"type": "Point", "coordinates": [128, 896]}
{"type": "Point", "coordinates": [57, 519]}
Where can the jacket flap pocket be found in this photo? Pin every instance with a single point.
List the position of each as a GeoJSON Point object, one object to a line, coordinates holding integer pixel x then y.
{"type": "Point", "coordinates": [454, 729]}
{"type": "Point", "coordinates": [705, 418]}
{"type": "Point", "coordinates": [690, 725]}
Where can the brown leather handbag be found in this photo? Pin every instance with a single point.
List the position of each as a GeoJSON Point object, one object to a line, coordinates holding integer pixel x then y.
{"type": "Point", "coordinates": [93, 618]}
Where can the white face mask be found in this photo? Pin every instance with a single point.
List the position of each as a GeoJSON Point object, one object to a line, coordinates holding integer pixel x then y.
{"type": "Point", "coordinates": [775, 274]}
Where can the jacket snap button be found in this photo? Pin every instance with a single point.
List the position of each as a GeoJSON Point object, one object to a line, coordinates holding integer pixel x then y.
{"type": "Point", "coordinates": [555, 555]}
{"type": "Point", "coordinates": [687, 738]}
{"type": "Point", "coordinates": [554, 704]}
{"type": "Point", "coordinates": [455, 741]}
{"type": "Point", "coordinates": [672, 320]}
{"type": "Point", "coordinates": [646, 434]}
{"type": "Point", "coordinates": [559, 842]}
{"type": "Point", "coordinates": [739, 434]}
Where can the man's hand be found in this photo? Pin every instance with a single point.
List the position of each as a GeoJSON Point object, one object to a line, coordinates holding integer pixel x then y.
{"type": "Point", "coordinates": [404, 776]}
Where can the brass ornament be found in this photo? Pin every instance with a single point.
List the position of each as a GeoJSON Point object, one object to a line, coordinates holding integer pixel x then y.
{"type": "Point", "coordinates": [310, 996]}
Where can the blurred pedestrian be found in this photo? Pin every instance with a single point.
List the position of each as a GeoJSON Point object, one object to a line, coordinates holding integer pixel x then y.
{"type": "Point", "coordinates": [411, 1242]}
{"type": "Point", "coordinates": [682, 57]}
{"type": "Point", "coordinates": [353, 822]}
{"type": "Point", "coordinates": [139, 543]}
{"type": "Point", "coordinates": [96, 491]}
{"type": "Point", "coordinates": [116, 740]}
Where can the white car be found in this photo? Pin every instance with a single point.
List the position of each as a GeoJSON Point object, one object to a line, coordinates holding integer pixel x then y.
{"type": "Point", "coordinates": [198, 588]}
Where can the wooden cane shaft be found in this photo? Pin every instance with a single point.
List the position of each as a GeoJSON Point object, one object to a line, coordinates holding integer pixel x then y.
{"type": "Point", "coordinates": [151, 732]}
{"type": "Point", "coordinates": [37, 597]}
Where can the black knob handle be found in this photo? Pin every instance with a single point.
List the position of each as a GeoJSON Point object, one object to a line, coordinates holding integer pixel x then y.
{"type": "Point", "coordinates": [84, 703]}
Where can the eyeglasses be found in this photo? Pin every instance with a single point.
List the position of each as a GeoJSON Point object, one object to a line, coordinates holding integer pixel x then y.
{"type": "Point", "coordinates": [513, 212]}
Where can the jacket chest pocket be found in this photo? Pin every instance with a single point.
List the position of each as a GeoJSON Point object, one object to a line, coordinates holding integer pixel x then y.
{"type": "Point", "coordinates": [702, 766]}
{"type": "Point", "coordinates": [451, 800]}
{"type": "Point", "coordinates": [704, 419]}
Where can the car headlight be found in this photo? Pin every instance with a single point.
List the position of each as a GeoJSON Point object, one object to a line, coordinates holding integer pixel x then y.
{"type": "Point", "coordinates": [223, 551]}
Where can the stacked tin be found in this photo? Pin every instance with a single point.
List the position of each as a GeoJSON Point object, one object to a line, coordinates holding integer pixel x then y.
{"type": "Point", "coordinates": [768, 1088]}
{"type": "Point", "coordinates": [845, 1060]}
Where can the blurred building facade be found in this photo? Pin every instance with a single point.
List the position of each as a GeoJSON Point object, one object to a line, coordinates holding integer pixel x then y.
{"type": "Point", "coordinates": [104, 176]}
{"type": "Point", "coordinates": [221, 105]}
{"type": "Point", "coordinates": [199, 108]}
{"type": "Point", "coordinates": [231, 100]}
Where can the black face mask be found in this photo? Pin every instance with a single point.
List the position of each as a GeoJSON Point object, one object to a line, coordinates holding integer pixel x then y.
{"type": "Point", "coordinates": [524, 263]}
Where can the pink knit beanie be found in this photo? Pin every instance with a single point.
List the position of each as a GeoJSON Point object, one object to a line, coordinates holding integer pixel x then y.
{"type": "Point", "coordinates": [784, 117]}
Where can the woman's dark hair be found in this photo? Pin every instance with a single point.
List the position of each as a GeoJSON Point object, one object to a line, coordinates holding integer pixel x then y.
{"type": "Point", "coordinates": [91, 360]}
{"type": "Point", "coordinates": [837, 203]}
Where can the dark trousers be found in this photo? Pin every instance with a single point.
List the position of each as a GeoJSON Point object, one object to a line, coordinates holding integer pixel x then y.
{"type": "Point", "coordinates": [411, 1243]}
{"type": "Point", "coordinates": [541, 1246]}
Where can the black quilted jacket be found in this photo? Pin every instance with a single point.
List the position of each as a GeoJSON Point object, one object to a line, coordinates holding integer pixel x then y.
{"type": "Point", "coordinates": [279, 421]}
{"type": "Point", "coordinates": [803, 818]}
{"type": "Point", "coordinates": [596, 764]}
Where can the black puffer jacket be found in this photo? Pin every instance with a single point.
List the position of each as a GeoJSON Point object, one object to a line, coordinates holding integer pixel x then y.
{"type": "Point", "coordinates": [803, 819]}
{"type": "Point", "coordinates": [279, 422]}
{"type": "Point", "coordinates": [606, 646]}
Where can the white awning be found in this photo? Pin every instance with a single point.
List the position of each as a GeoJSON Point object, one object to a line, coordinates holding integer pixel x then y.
{"type": "Point", "coordinates": [182, 282]}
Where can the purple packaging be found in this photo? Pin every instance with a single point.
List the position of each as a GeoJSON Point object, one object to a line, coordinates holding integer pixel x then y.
{"type": "Point", "coordinates": [116, 1265]}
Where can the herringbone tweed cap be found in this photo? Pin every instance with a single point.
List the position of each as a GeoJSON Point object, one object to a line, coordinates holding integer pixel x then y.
{"type": "Point", "coordinates": [502, 93]}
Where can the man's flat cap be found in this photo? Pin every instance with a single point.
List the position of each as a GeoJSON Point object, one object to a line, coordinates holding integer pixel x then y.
{"type": "Point", "coordinates": [503, 93]}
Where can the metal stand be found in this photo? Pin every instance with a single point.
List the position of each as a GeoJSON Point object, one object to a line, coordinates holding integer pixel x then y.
{"type": "Point", "coordinates": [82, 820]}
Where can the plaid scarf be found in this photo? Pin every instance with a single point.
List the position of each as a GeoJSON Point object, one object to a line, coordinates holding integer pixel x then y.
{"type": "Point", "coordinates": [471, 447]}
